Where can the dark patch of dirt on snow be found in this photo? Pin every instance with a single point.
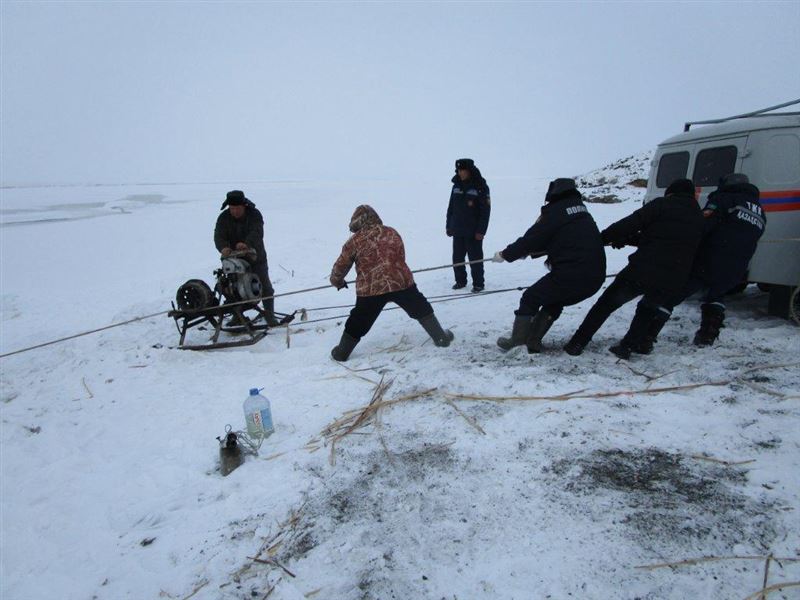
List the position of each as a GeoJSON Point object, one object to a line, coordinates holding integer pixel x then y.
{"type": "Point", "coordinates": [669, 500]}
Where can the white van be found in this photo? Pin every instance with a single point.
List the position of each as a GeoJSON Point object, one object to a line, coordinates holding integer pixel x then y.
{"type": "Point", "coordinates": [765, 146]}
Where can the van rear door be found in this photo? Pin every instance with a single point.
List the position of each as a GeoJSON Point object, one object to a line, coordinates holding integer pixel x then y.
{"type": "Point", "coordinates": [714, 159]}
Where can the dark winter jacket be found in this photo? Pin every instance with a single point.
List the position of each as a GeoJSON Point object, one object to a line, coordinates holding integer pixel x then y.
{"type": "Point", "coordinates": [567, 233]}
{"type": "Point", "coordinates": [469, 208]}
{"type": "Point", "coordinates": [667, 231]}
{"type": "Point", "coordinates": [249, 229]}
{"type": "Point", "coordinates": [734, 223]}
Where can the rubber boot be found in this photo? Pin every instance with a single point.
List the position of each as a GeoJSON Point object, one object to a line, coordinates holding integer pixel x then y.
{"type": "Point", "coordinates": [712, 316]}
{"type": "Point", "coordinates": [636, 332]}
{"type": "Point", "coordinates": [575, 346]}
{"type": "Point", "coordinates": [441, 337]}
{"type": "Point", "coordinates": [540, 325]}
{"type": "Point", "coordinates": [269, 309]}
{"type": "Point", "coordinates": [342, 351]}
{"type": "Point", "coordinates": [519, 333]}
{"type": "Point", "coordinates": [646, 344]}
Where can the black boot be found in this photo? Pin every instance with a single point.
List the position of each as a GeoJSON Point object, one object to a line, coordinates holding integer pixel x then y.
{"type": "Point", "coordinates": [441, 337]}
{"type": "Point", "coordinates": [345, 348]}
{"type": "Point", "coordinates": [636, 332]}
{"type": "Point", "coordinates": [269, 310]}
{"type": "Point", "coordinates": [540, 325]}
{"type": "Point", "coordinates": [646, 344]}
{"type": "Point", "coordinates": [519, 333]}
{"type": "Point", "coordinates": [575, 346]}
{"type": "Point", "coordinates": [458, 286]}
{"type": "Point", "coordinates": [712, 316]}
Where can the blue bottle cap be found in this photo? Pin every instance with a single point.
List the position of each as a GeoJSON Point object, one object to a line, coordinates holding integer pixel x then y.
{"type": "Point", "coordinates": [254, 391]}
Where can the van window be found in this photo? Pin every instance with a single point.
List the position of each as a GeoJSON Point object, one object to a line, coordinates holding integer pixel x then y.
{"type": "Point", "coordinates": [781, 159]}
{"type": "Point", "coordinates": [713, 163]}
{"type": "Point", "coordinates": [672, 166]}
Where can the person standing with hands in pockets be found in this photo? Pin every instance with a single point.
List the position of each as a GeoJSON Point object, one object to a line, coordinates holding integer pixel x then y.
{"type": "Point", "coordinates": [467, 221]}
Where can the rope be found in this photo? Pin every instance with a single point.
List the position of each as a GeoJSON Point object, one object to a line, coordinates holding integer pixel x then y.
{"type": "Point", "coordinates": [164, 312]}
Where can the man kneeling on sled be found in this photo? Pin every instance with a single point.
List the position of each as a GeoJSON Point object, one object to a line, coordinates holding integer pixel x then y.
{"type": "Point", "coordinates": [382, 276]}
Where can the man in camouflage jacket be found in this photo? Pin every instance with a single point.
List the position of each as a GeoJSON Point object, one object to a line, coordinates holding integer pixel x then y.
{"type": "Point", "coordinates": [382, 276]}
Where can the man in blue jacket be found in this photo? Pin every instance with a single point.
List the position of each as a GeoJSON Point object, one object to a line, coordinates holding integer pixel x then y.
{"type": "Point", "coordinates": [467, 221]}
{"type": "Point", "coordinates": [568, 235]}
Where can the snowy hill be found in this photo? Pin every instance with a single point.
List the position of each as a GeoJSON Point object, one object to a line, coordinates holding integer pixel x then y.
{"type": "Point", "coordinates": [473, 473]}
{"type": "Point", "coordinates": [622, 180]}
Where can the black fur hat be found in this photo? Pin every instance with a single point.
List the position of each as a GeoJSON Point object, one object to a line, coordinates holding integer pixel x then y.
{"type": "Point", "coordinates": [465, 163]}
{"type": "Point", "coordinates": [733, 179]}
{"type": "Point", "coordinates": [559, 188]}
{"type": "Point", "coordinates": [235, 198]}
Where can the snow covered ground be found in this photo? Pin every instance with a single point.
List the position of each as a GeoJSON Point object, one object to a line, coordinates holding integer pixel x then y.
{"type": "Point", "coordinates": [110, 487]}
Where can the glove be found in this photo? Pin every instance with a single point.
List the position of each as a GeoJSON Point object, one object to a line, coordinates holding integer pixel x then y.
{"type": "Point", "coordinates": [618, 245]}
{"type": "Point", "coordinates": [498, 257]}
{"type": "Point", "coordinates": [338, 283]}
{"type": "Point", "coordinates": [449, 233]}
{"type": "Point", "coordinates": [479, 236]}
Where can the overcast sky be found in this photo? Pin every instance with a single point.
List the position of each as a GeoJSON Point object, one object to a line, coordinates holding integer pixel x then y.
{"type": "Point", "coordinates": [112, 92]}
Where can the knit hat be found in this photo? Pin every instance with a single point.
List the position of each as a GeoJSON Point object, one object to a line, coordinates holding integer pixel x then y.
{"type": "Point", "coordinates": [680, 186]}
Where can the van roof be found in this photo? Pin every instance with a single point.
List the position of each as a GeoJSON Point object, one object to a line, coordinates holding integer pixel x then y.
{"type": "Point", "coordinates": [734, 126]}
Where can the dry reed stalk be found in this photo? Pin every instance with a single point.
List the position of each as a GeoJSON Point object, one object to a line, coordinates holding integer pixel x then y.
{"type": "Point", "coordinates": [313, 593]}
{"type": "Point", "coordinates": [762, 388]}
{"type": "Point", "coordinates": [727, 463]}
{"type": "Point", "coordinates": [272, 561]}
{"type": "Point", "coordinates": [361, 419]}
{"type": "Point", "coordinates": [466, 417]}
{"type": "Point", "coordinates": [765, 367]}
{"type": "Point", "coordinates": [356, 418]}
{"type": "Point", "coordinates": [773, 588]}
{"type": "Point", "coordinates": [766, 576]}
{"type": "Point", "coordinates": [203, 584]}
{"type": "Point", "coordinates": [86, 387]}
{"type": "Point", "coordinates": [649, 378]}
{"type": "Point", "coordinates": [274, 456]}
{"type": "Point", "coordinates": [702, 559]}
{"type": "Point", "coordinates": [560, 397]}
{"type": "Point", "coordinates": [288, 336]}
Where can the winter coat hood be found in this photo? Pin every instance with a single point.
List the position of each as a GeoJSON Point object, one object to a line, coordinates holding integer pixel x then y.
{"type": "Point", "coordinates": [364, 216]}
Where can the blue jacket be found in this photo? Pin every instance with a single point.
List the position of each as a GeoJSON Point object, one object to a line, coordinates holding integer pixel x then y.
{"type": "Point", "coordinates": [469, 208]}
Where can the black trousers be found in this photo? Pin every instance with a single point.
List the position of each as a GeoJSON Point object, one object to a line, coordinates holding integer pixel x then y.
{"type": "Point", "coordinates": [463, 247]}
{"type": "Point", "coordinates": [621, 291]}
{"type": "Point", "coordinates": [367, 309]}
{"type": "Point", "coordinates": [552, 294]}
{"type": "Point", "coordinates": [262, 272]}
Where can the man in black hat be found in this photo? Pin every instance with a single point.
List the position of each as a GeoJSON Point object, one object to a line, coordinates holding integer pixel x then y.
{"type": "Point", "coordinates": [568, 235]}
{"type": "Point", "coordinates": [734, 222]}
{"type": "Point", "coordinates": [467, 221]}
{"type": "Point", "coordinates": [667, 232]}
{"type": "Point", "coordinates": [241, 228]}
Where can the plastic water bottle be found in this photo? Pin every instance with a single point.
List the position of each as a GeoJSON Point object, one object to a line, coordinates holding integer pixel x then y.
{"type": "Point", "coordinates": [258, 415]}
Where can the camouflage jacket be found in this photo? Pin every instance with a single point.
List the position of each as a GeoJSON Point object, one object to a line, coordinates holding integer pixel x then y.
{"type": "Point", "coordinates": [378, 253]}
